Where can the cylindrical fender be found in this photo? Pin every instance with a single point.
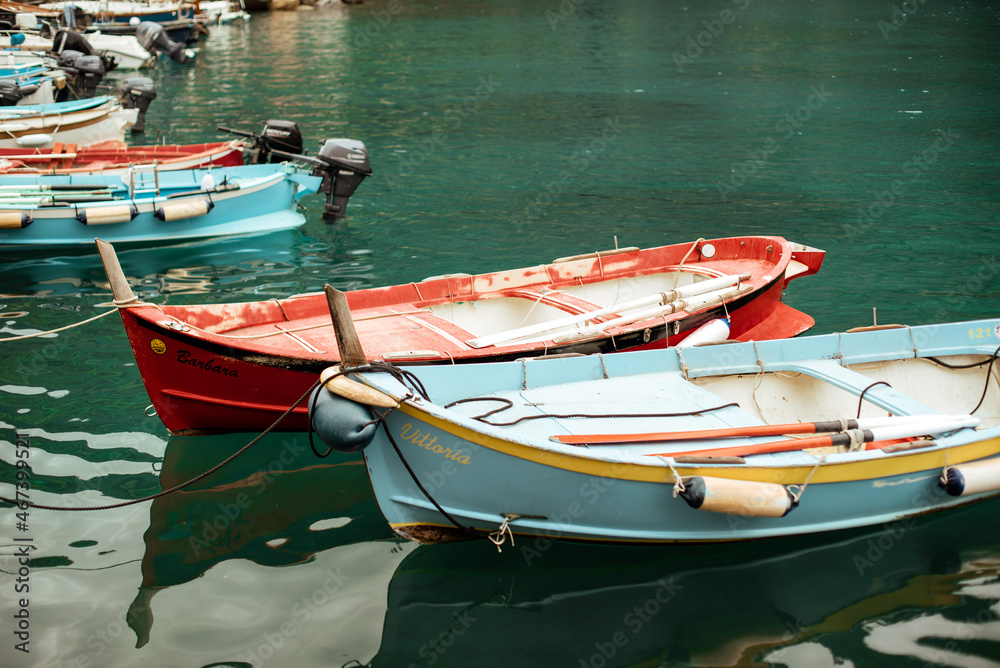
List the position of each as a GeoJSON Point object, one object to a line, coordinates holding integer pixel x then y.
{"type": "Point", "coordinates": [107, 214]}
{"type": "Point", "coordinates": [738, 497]}
{"type": "Point", "coordinates": [972, 478]}
{"type": "Point", "coordinates": [14, 220]}
{"type": "Point", "coordinates": [184, 209]}
{"type": "Point", "coordinates": [344, 425]}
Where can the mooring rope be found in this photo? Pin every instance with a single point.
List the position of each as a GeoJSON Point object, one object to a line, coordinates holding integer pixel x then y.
{"type": "Point", "coordinates": [61, 329]}
{"type": "Point", "coordinates": [183, 484]}
{"type": "Point", "coordinates": [119, 304]}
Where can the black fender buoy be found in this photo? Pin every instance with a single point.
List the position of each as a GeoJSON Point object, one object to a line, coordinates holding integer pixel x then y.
{"type": "Point", "coordinates": [343, 424]}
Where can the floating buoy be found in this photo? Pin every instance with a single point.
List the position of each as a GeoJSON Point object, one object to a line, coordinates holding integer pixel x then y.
{"type": "Point", "coordinates": [972, 478]}
{"type": "Point", "coordinates": [107, 214]}
{"type": "Point", "coordinates": [713, 331]}
{"type": "Point", "coordinates": [738, 497]}
{"type": "Point", "coordinates": [186, 209]}
{"type": "Point", "coordinates": [13, 220]}
{"type": "Point", "coordinates": [344, 425]}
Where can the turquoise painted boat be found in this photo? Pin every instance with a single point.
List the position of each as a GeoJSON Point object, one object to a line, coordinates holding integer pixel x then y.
{"type": "Point", "coordinates": [680, 444]}
{"type": "Point", "coordinates": [149, 205]}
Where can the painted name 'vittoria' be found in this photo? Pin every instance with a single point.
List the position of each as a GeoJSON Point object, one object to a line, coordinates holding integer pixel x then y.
{"type": "Point", "coordinates": [416, 437]}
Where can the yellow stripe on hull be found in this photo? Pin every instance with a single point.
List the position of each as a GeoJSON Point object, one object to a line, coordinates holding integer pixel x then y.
{"type": "Point", "coordinates": [869, 469]}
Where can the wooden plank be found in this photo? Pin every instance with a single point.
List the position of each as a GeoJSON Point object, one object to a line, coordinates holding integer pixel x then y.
{"type": "Point", "coordinates": [351, 353]}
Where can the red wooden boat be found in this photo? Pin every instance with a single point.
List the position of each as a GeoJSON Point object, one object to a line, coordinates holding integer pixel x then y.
{"type": "Point", "coordinates": [237, 367]}
{"type": "Point", "coordinates": [111, 156]}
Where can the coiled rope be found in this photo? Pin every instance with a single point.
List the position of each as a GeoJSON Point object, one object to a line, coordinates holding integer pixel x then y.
{"type": "Point", "coordinates": [510, 404]}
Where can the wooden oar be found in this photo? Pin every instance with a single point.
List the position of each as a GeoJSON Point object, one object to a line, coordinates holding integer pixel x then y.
{"type": "Point", "coordinates": [841, 439]}
{"type": "Point", "coordinates": [755, 430]}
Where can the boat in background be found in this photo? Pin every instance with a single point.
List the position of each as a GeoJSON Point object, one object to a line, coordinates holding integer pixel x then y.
{"type": "Point", "coordinates": [149, 205]}
{"type": "Point", "coordinates": [117, 157]}
{"type": "Point", "coordinates": [679, 445]}
{"type": "Point", "coordinates": [237, 367]}
{"type": "Point", "coordinates": [80, 122]}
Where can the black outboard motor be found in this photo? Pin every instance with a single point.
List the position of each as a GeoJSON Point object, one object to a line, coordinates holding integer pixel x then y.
{"type": "Point", "coordinates": [87, 71]}
{"type": "Point", "coordinates": [138, 93]}
{"type": "Point", "coordinates": [70, 44]}
{"type": "Point", "coordinates": [154, 39]}
{"type": "Point", "coordinates": [343, 164]}
{"type": "Point", "coordinates": [10, 93]}
{"type": "Point", "coordinates": [282, 136]}
{"type": "Point", "coordinates": [346, 167]}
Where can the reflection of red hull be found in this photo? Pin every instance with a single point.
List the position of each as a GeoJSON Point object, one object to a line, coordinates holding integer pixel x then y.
{"type": "Point", "coordinates": [236, 367]}
{"type": "Point", "coordinates": [116, 156]}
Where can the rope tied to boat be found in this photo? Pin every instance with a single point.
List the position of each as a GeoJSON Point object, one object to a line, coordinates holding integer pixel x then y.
{"type": "Point", "coordinates": [182, 485]}
{"type": "Point", "coordinates": [499, 537]}
{"type": "Point", "coordinates": [119, 304]}
{"type": "Point", "coordinates": [60, 329]}
{"type": "Point", "coordinates": [796, 495]}
{"type": "Point", "coordinates": [679, 485]}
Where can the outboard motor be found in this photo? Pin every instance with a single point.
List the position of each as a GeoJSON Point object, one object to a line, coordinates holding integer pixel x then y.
{"type": "Point", "coordinates": [70, 44]}
{"type": "Point", "coordinates": [69, 16]}
{"type": "Point", "coordinates": [154, 39]}
{"type": "Point", "coordinates": [345, 166]}
{"type": "Point", "coordinates": [282, 136]}
{"type": "Point", "coordinates": [87, 72]}
{"type": "Point", "coordinates": [10, 93]}
{"type": "Point", "coordinates": [138, 93]}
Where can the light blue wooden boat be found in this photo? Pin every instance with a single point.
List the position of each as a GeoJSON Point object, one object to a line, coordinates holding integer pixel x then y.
{"type": "Point", "coordinates": [490, 448]}
{"type": "Point", "coordinates": [21, 111]}
{"type": "Point", "coordinates": [146, 205]}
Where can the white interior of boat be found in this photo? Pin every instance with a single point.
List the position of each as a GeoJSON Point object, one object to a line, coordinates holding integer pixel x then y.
{"type": "Point", "coordinates": [785, 397]}
{"type": "Point", "coordinates": [485, 317]}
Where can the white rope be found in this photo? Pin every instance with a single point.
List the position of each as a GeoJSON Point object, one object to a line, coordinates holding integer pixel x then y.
{"type": "Point", "coordinates": [680, 267]}
{"type": "Point", "coordinates": [678, 480]}
{"type": "Point", "coordinates": [61, 329]}
{"type": "Point", "coordinates": [499, 537]}
{"type": "Point", "coordinates": [802, 488]}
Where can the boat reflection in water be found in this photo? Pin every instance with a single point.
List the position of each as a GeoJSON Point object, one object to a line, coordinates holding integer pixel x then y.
{"type": "Point", "coordinates": [275, 505]}
{"type": "Point", "coordinates": [926, 588]}
{"type": "Point", "coordinates": [265, 264]}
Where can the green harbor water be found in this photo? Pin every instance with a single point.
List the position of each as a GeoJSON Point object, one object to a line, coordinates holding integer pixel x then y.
{"type": "Point", "coordinates": [506, 134]}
